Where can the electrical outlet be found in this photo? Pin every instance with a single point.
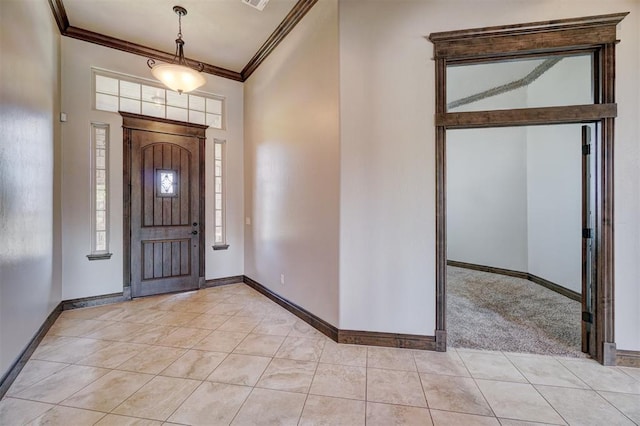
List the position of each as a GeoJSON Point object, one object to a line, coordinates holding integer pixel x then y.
{"type": "Point", "coordinates": [282, 279]}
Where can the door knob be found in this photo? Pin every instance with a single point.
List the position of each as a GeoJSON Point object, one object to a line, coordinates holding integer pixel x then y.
{"type": "Point", "coordinates": [194, 232]}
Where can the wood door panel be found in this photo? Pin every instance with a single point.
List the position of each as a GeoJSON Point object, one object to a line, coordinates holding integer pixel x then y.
{"type": "Point", "coordinates": [166, 258]}
{"type": "Point", "coordinates": [161, 211]}
{"type": "Point", "coordinates": [165, 216]}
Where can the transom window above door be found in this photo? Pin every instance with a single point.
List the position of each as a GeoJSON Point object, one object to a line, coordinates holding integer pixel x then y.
{"type": "Point", "coordinates": [544, 81]}
{"type": "Point", "coordinates": [118, 92]}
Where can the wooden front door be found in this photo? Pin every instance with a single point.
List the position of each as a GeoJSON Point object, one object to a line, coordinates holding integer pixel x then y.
{"type": "Point", "coordinates": [166, 205]}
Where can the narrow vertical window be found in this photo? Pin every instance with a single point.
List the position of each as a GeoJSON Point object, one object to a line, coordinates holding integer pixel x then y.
{"type": "Point", "coordinates": [99, 192]}
{"type": "Point", "coordinates": [220, 239]}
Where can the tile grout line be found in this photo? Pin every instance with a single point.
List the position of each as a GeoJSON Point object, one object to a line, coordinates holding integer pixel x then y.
{"type": "Point", "coordinates": [38, 381]}
{"type": "Point", "coordinates": [366, 383]}
{"type": "Point", "coordinates": [626, 373]}
{"type": "Point", "coordinates": [615, 406]}
{"type": "Point", "coordinates": [183, 401]}
{"type": "Point", "coordinates": [424, 393]}
{"type": "Point", "coordinates": [429, 410]}
{"type": "Point", "coordinates": [550, 404]}
{"type": "Point", "coordinates": [310, 385]}
{"type": "Point", "coordinates": [484, 397]}
{"type": "Point", "coordinates": [535, 388]}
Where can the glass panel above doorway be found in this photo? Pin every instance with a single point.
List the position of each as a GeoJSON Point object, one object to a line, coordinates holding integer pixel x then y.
{"type": "Point", "coordinates": [521, 83]}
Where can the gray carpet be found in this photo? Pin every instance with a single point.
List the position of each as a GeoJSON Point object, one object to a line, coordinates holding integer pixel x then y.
{"type": "Point", "coordinates": [497, 312]}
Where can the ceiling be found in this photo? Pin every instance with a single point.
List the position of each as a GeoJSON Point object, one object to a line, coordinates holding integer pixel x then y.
{"type": "Point", "coordinates": [225, 34]}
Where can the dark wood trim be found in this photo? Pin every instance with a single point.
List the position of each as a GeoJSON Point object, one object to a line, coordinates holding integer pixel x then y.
{"type": "Point", "coordinates": [316, 322]}
{"type": "Point", "coordinates": [593, 33]}
{"type": "Point", "coordinates": [202, 226]}
{"type": "Point", "coordinates": [612, 19]}
{"type": "Point", "coordinates": [441, 340]}
{"type": "Point", "coordinates": [126, 207]}
{"type": "Point", "coordinates": [604, 238]}
{"type": "Point", "coordinates": [355, 337]}
{"type": "Point", "coordinates": [624, 358]}
{"type": "Point", "coordinates": [8, 378]}
{"type": "Point", "coordinates": [527, 116]}
{"type": "Point", "coordinates": [392, 340]}
{"type": "Point", "coordinates": [162, 125]}
{"type": "Point", "coordinates": [584, 50]}
{"type": "Point", "coordinates": [217, 282]}
{"type": "Point", "coordinates": [60, 15]}
{"type": "Point", "coordinates": [130, 123]}
{"type": "Point", "coordinates": [490, 269]}
{"type": "Point", "coordinates": [284, 28]}
{"type": "Point", "coordinates": [288, 23]}
{"type": "Point", "coordinates": [87, 302]}
{"type": "Point", "coordinates": [574, 295]}
{"type": "Point", "coordinates": [536, 37]}
{"type": "Point", "coordinates": [586, 266]}
{"type": "Point", "coordinates": [138, 49]}
{"type": "Point", "coordinates": [441, 208]}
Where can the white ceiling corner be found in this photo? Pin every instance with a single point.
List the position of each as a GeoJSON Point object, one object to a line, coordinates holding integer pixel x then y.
{"type": "Point", "coordinates": [224, 33]}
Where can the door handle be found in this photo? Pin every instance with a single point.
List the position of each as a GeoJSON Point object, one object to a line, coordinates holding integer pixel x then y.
{"type": "Point", "coordinates": [194, 232]}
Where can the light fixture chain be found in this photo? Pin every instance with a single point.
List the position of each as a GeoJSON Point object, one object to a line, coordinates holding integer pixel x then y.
{"type": "Point", "coordinates": [178, 75]}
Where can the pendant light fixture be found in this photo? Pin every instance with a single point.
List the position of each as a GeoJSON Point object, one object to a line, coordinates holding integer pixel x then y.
{"type": "Point", "coordinates": [179, 75]}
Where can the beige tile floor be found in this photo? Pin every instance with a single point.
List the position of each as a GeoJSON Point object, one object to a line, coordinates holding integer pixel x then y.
{"type": "Point", "coordinates": [228, 355]}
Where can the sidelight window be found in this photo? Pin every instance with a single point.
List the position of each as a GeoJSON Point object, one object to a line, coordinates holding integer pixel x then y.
{"type": "Point", "coordinates": [219, 216]}
{"type": "Point", "coordinates": [99, 192]}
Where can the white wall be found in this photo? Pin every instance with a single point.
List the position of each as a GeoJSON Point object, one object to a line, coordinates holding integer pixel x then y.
{"type": "Point", "coordinates": [627, 180]}
{"type": "Point", "coordinates": [292, 166]}
{"type": "Point", "coordinates": [487, 197]}
{"type": "Point", "coordinates": [29, 148]}
{"type": "Point", "coordinates": [554, 176]}
{"type": "Point", "coordinates": [387, 147]}
{"type": "Point", "coordinates": [387, 184]}
{"type": "Point", "coordinates": [84, 278]}
{"type": "Point", "coordinates": [554, 185]}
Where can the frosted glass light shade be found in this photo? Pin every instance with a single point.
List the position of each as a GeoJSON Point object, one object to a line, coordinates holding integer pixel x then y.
{"type": "Point", "coordinates": [178, 77]}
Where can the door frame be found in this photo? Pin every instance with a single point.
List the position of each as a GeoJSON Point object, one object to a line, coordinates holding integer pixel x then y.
{"type": "Point", "coordinates": [593, 34]}
{"type": "Point", "coordinates": [131, 122]}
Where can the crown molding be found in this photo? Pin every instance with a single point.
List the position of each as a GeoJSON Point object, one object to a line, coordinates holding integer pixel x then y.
{"type": "Point", "coordinates": [60, 15]}
{"type": "Point", "coordinates": [138, 49]}
{"type": "Point", "coordinates": [288, 23]}
{"type": "Point", "coordinates": [285, 27]}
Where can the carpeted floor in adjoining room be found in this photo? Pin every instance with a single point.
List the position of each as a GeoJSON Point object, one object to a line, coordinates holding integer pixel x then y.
{"type": "Point", "coordinates": [497, 312]}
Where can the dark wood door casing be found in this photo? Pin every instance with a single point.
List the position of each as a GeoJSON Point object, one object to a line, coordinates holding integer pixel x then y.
{"type": "Point", "coordinates": [163, 226]}
{"type": "Point", "coordinates": [593, 34]}
{"type": "Point", "coordinates": [164, 249]}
